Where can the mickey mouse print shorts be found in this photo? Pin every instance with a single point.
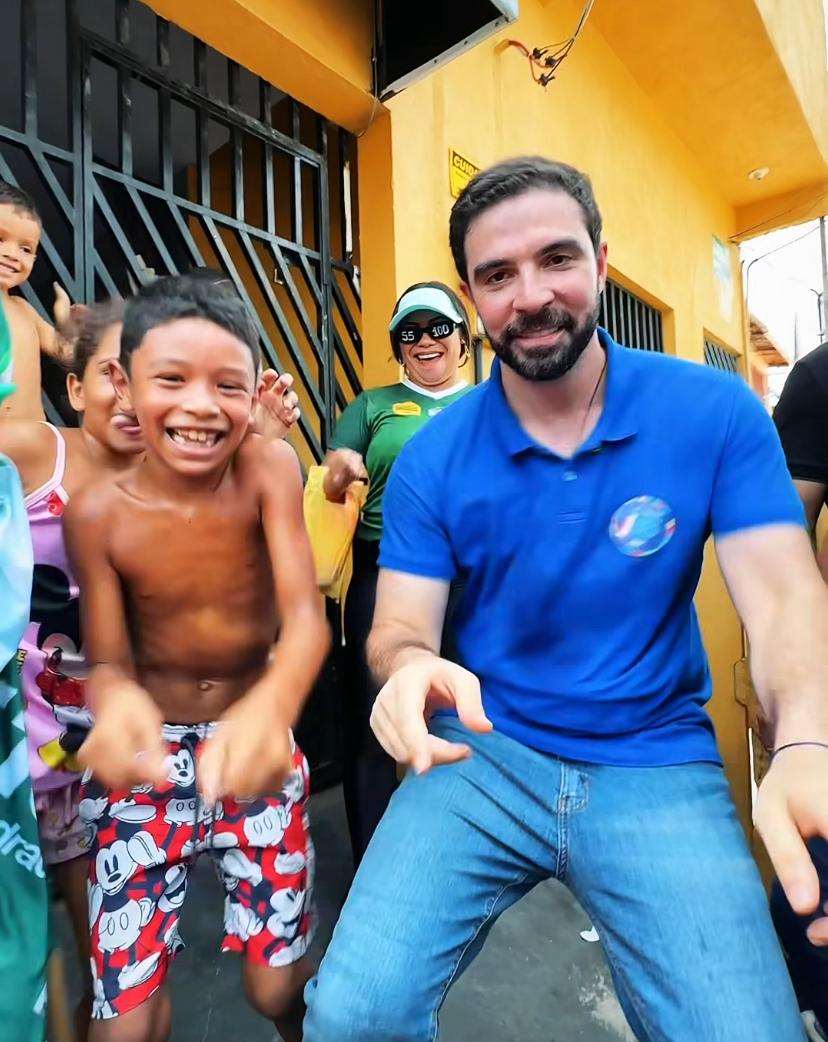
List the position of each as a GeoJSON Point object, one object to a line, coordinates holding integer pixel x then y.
{"type": "Point", "coordinates": [144, 841]}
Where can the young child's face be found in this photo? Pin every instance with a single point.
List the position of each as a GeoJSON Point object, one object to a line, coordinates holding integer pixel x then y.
{"type": "Point", "coordinates": [94, 396]}
{"type": "Point", "coordinates": [19, 239]}
{"type": "Point", "coordinates": [193, 387]}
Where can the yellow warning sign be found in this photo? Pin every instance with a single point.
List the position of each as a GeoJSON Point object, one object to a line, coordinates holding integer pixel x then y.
{"type": "Point", "coordinates": [461, 171]}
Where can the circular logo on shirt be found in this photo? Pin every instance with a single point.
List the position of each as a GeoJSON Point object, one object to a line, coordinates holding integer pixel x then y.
{"type": "Point", "coordinates": [642, 526]}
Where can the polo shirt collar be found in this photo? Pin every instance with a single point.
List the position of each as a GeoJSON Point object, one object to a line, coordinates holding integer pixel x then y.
{"type": "Point", "coordinates": [618, 420]}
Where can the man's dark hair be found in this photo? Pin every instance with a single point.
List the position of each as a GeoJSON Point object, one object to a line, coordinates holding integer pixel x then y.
{"type": "Point", "coordinates": [180, 296]}
{"type": "Point", "coordinates": [511, 178]}
{"type": "Point", "coordinates": [11, 195]}
{"type": "Point", "coordinates": [469, 339]}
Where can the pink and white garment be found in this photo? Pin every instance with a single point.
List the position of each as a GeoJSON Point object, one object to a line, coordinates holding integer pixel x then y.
{"type": "Point", "coordinates": [52, 667]}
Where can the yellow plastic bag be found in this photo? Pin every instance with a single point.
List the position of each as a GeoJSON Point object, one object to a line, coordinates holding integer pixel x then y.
{"type": "Point", "coordinates": [331, 528]}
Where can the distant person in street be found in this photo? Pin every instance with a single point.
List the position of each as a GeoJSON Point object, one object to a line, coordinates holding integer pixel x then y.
{"type": "Point", "coordinates": [574, 492]}
{"type": "Point", "coordinates": [801, 417]}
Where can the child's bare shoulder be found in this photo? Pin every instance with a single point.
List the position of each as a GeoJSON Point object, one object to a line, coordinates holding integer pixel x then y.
{"type": "Point", "coordinates": [96, 504]}
{"type": "Point", "coordinates": [22, 310]}
{"type": "Point", "coordinates": [265, 461]}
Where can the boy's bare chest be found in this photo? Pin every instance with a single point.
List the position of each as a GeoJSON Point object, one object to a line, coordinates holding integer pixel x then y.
{"type": "Point", "coordinates": [194, 554]}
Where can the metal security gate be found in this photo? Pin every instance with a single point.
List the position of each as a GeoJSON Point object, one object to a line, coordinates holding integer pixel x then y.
{"type": "Point", "coordinates": [149, 153]}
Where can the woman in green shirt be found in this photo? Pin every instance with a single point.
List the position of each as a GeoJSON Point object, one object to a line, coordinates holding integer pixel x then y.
{"type": "Point", "coordinates": [431, 338]}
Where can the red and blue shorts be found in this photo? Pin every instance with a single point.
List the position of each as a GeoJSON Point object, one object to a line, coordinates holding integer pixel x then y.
{"type": "Point", "coordinates": [143, 843]}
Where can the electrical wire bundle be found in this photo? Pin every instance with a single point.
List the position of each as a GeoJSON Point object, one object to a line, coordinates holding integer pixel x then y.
{"type": "Point", "coordinates": [545, 61]}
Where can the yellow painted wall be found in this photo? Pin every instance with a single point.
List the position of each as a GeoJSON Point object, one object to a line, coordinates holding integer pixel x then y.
{"type": "Point", "coordinates": [318, 51]}
{"type": "Point", "coordinates": [661, 211]}
{"type": "Point", "coordinates": [802, 50]}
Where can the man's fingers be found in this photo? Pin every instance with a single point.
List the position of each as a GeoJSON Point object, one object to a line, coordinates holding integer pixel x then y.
{"type": "Point", "coordinates": [411, 728]}
{"type": "Point", "coordinates": [789, 856]}
{"type": "Point", "coordinates": [446, 752]}
{"type": "Point", "coordinates": [469, 703]}
{"type": "Point", "coordinates": [818, 931]}
{"type": "Point", "coordinates": [386, 734]}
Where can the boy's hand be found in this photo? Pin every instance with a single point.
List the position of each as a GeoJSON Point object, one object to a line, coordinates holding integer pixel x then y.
{"type": "Point", "coordinates": [250, 753]}
{"type": "Point", "coordinates": [125, 747]}
{"type": "Point", "coordinates": [278, 408]}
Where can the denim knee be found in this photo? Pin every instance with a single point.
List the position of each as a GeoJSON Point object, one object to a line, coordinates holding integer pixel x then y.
{"type": "Point", "coordinates": [343, 1009]}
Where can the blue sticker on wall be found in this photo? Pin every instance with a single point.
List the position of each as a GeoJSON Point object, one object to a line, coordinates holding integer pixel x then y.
{"type": "Point", "coordinates": [642, 526]}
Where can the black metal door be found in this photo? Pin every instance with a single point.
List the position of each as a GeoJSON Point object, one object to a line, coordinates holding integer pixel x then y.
{"type": "Point", "coordinates": [149, 153]}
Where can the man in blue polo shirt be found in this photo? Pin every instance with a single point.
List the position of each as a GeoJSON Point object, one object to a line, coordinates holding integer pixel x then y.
{"type": "Point", "coordinates": [574, 493]}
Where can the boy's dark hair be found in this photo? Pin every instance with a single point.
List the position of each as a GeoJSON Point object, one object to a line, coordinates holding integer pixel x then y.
{"type": "Point", "coordinates": [11, 195]}
{"type": "Point", "coordinates": [90, 328]}
{"type": "Point", "coordinates": [181, 296]}
{"type": "Point", "coordinates": [511, 178]}
{"type": "Point", "coordinates": [470, 340]}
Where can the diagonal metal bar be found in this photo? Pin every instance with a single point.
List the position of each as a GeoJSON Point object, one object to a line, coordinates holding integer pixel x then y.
{"type": "Point", "coordinates": [53, 151]}
{"type": "Point", "coordinates": [41, 155]}
{"type": "Point", "coordinates": [280, 318]}
{"type": "Point", "coordinates": [103, 274]}
{"type": "Point", "coordinates": [117, 231]}
{"type": "Point", "coordinates": [347, 317]}
{"type": "Point", "coordinates": [227, 262]}
{"type": "Point", "coordinates": [150, 226]}
{"type": "Point", "coordinates": [186, 234]}
{"type": "Point", "coordinates": [341, 354]}
{"type": "Point", "coordinates": [104, 173]}
{"type": "Point", "coordinates": [285, 274]}
{"type": "Point", "coordinates": [55, 259]}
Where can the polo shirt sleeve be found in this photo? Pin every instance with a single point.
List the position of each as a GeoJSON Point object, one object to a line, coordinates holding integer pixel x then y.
{"type": "Point", "coordinates": [752, 486]}
{"type": "Point", "coordinates": [801, 417]}
{"type": "Point", "coordinates": [414, 535]}
{"type": "Point", "coordinates": [352, 430]}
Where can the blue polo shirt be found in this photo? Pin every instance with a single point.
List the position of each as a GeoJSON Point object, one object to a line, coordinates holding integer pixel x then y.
{"type": "Point", "coordinates": [577, 613]}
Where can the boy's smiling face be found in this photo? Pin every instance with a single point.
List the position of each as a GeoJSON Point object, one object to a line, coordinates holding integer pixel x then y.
{"type": "Point", "coordinates": [193, 387]}
{"type": "Point", "coordinates": [19, 239]}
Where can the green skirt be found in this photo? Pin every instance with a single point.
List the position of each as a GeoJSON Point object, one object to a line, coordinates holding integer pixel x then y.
{"type": "Point", "coordinates": [24, 905]}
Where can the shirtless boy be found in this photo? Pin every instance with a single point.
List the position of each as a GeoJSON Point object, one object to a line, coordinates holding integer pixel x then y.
{"type": "Point", "coordinates": [19, 238]}
{"type": "Point", "coordinates": [188, 568]}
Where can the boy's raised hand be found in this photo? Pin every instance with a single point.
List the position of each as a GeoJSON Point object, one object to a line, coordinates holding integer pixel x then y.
{"type": "Point", "coordinates": [278, 409]}
{"type": "Point", "coordinates": [125, 747]}
{"type": "Point", "coordinates": [250, 753]}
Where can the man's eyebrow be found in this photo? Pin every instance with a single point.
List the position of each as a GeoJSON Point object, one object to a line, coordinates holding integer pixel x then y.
{"type": "Point", "coordinates": [570, 244]}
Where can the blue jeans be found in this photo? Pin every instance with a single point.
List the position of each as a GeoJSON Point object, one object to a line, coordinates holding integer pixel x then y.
{"type": "Point", "coordinates": [655, 856]}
